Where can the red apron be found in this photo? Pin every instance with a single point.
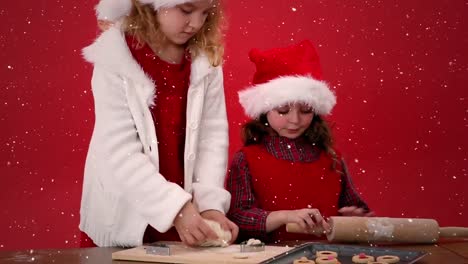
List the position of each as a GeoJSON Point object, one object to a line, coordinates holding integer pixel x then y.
{"type": "Point", "coordinates": [284, 185]}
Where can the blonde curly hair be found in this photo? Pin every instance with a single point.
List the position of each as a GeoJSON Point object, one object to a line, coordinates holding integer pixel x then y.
{"type": "Point", "coordinates": [142, 24]}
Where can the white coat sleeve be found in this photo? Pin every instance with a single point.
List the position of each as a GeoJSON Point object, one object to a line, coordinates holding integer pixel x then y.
{"type": "Point", "coordinates": [127, 172]}
{"type": "Point", "coordinates": [210, 167]}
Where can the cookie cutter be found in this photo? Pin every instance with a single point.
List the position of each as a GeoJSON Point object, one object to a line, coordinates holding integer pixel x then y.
{"type": "Point", "coordinates": [252, 248]}
{"type": "Point", "coordinates": [158, 249]}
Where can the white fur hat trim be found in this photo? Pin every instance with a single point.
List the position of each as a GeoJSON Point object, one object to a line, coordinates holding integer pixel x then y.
{"type": "Point", "coordinates": [113, 10]}
{"type": "Point", "coordinates": [261, 98]}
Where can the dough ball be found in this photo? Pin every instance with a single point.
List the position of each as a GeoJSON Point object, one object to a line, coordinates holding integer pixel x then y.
{"type": "Point", "coordinates": [223, 236]}
{"type": "Point", "coordinates": [253, 242]}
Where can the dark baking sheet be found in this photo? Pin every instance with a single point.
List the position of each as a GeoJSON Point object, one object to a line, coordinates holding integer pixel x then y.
{"type": "Point", "coordinates": [345, 253]}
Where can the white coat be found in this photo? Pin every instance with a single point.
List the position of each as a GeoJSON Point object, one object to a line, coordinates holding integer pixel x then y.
{"type": "Point", "coordinates": [123, 191]}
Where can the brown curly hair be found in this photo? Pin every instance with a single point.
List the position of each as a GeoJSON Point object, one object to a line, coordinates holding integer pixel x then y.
{"type": "Point", "coordinates": [143, 25]}
{"type": "Point", "coordinates": [318, 133]}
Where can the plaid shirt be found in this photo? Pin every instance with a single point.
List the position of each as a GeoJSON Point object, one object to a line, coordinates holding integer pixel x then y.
{"type": "Point", "coordinates": [245, 211]}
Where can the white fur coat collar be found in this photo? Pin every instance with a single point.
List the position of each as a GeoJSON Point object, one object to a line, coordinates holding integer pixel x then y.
{"type": "Point", "coordinates": [110, 51]}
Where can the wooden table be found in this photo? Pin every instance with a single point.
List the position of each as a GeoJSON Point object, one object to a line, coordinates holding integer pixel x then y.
{"type": "Point", "coordinates": [446, 252]}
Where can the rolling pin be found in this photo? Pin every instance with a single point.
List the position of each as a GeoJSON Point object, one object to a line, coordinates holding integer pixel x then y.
{"type": "Point", "coordinates": [383, 229]}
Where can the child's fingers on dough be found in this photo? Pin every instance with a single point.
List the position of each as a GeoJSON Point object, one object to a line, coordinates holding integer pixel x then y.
{"type": "Point", "coordinates": [231, 228]}
{"type": "Point", "coordinates": [207, 231]}
{"type": "Point", "coordinates": [198, 235]}
{"type": "Point", "coordinates": [189, 240]}
{"type": "Point", "coordinates": [182, 238]}
{"type": "Point", "coordinates": [224, 225]}
{"type": "Point", "coordinates": [234, 231]}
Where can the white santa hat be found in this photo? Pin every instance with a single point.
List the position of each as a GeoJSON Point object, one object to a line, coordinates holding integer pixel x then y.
{"type": "Point", "coordinates": [113, 10]}
{"type": "Point", "coordinates": [286, 75]}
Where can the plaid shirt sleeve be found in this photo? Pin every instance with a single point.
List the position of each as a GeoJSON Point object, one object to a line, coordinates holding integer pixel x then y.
{"type": "Point", "coordinates": [349, 196]}
{"type": "Point", "coordinates": [244, 209]}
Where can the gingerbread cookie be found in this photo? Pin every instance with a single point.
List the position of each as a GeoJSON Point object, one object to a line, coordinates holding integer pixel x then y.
{"type": "Point", "coordinates": [388, 259]}
{"type": "Point", "coordinates": [362, 258]}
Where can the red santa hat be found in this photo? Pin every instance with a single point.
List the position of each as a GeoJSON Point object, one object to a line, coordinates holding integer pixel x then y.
{"type": "Point", "coordinates": [113, 10]}
{"type": "Point", "coordinates": [286, 75]}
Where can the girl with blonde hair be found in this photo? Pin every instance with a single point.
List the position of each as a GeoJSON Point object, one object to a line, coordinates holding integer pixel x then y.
{"type": "Point", "coordinates": [156, 162]}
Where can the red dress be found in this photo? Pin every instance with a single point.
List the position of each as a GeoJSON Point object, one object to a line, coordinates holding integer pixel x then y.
{"type": "Point", "coordinates": [169, 116]}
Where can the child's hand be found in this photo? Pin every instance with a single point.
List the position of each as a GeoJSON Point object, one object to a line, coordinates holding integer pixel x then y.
{"type": "Point", "coordinates": [354, 211]}
{"type": "Point", "coordinates": [104, 24]}
{"type": "Point", "coordinates": [225, 223]}
{"type": "Point", "coordinates": [307, 218]}
{"type": "Point", "coordinates": [191, 227]}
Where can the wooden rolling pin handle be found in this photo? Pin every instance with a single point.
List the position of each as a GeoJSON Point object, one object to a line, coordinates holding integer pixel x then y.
{"type": "Point", "coordinates": [450, 231]}
{"type": "Point", "coordinates": [295, 228]}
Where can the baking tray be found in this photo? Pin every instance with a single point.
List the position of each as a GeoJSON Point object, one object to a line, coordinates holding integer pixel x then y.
{"type": "Point", "coordinates": [345, 253]}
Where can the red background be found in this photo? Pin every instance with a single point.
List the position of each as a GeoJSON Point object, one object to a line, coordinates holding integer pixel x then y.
{"type": "Point", "coordinates": [399, 69]}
